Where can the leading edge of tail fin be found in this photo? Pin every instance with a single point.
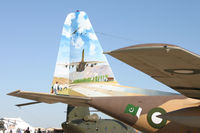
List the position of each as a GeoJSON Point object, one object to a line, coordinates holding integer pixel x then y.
{"type": "Point", "coordinates": [80, 56]}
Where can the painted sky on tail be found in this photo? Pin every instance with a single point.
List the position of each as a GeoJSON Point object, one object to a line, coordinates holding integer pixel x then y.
{"type": "Point", "coordinates": [78, 34]}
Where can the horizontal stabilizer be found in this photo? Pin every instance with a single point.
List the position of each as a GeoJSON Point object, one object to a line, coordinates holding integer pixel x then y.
{"type": "Point", "coordinates": [187, 116]}
{"type": "Point", "coordinates": [51, 98]}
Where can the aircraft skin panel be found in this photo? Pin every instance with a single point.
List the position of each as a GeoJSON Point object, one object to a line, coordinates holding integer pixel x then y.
{"type": "Point", "coordinates": [169, 64]}
{"type": "Point", "coordinates": [109, 89]}
{"type": "Point", "coordinates": [89, 92]}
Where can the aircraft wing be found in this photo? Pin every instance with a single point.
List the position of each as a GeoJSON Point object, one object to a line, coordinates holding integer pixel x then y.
{"type": "Point", "coordinates": [172, 65]}
{"type": "Point", "coordinates": [51, 98]}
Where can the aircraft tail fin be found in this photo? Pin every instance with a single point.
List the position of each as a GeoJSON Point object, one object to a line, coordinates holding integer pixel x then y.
{"type": "Point", "coordinates": [80, 56]}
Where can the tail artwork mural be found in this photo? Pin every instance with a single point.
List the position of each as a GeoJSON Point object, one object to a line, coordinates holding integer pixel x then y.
{"type": "Point", "coordinates": [80, 56]}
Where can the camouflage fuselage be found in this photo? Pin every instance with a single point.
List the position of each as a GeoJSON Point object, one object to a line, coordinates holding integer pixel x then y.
{"type": "Point", "coordinates": [151, 106]}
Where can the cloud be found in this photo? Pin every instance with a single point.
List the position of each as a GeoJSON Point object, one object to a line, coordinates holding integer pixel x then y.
{"type": "Point", "coordinates": [69, 18]}
{"type": "Point", "coordinates": [66, 33]}
{"type": "Point", "coordinates": [63, 53]}
{"type": "Point", "coordinates": [92, 49]}
{"type": "Point", "coordinates": [83, 22]}
{"type": "Point", "coordinates": [78, 43]}
{"type": "Point", "coordinates": [92, 36]}
{"type": "Point", "coordinates": [61, 71]}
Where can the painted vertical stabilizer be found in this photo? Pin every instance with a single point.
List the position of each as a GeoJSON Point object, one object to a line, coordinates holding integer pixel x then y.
{"type": "Point", "coordinates": [80, 56]}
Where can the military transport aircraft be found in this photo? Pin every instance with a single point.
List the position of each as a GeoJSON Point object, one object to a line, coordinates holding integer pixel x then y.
{"type": "Point", "coordinates": [143, 109]}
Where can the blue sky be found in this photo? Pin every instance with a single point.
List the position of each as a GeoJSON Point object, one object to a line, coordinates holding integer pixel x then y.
{"type": "Point", "coordinates": [30, 35]}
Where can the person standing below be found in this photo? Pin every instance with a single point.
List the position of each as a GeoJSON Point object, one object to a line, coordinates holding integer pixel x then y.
{"type": "Point", "coordinates": [39, 130]}
{"type": "Point", "coordinates": [55, 87]}
{"type": "Point", "coordinates": [27, 130]}
{"type": "Point", "coordinates": [18, 130]}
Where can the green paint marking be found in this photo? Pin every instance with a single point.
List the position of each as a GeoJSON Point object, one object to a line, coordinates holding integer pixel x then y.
{"type": "Point", "coordinates": [159, 123]}
{"type": "Point", "coordinates": [133, 110]}
{"type": "Point", "coordinates": [101, 78]}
